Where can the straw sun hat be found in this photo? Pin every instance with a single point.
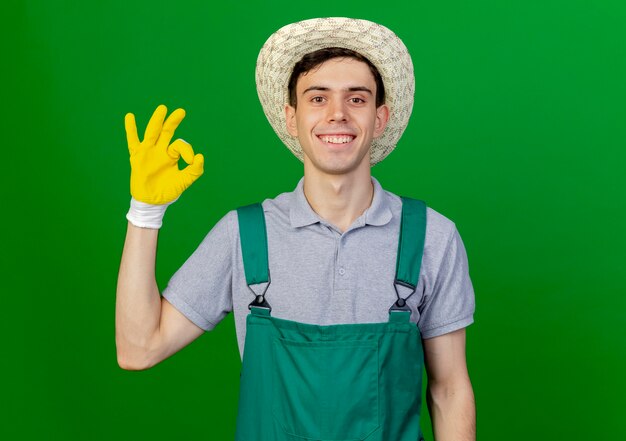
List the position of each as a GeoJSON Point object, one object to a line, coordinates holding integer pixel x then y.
{"type": "Point", "coordinates": [378, 44]}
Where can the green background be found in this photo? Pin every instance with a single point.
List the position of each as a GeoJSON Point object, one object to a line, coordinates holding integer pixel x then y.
{"type": "Point", "coordinates": [517, 135]}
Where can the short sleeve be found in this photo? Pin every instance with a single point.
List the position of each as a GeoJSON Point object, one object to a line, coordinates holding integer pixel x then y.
{"type": "Point", "coordinates": [202, 288]}
{"type": "Point", "coordinates": [450, 304]}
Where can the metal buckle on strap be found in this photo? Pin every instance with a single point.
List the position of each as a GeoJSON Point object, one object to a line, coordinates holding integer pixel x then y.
{"type": "Point", "coordinates": [259, 299]}
{"type": "Point", "coordinates": [260, 302]}
{"type": "Point", "coordinates": [400, 304]}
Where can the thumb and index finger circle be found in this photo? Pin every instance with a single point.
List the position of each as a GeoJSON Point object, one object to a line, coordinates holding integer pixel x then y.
{"type": "Point", "coordinates": [179, 148]}
{"type": "Point", "coordinates": [196, 167]}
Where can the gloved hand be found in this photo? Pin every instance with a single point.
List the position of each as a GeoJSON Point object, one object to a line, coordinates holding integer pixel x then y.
{"type": "Point", "coordinates": [155, 180]}
{"type": "Point", "coordinates": [155, 177]}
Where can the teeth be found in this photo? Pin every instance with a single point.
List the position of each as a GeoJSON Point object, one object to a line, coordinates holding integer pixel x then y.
{"type": "Point", "coordinates": [336, 139]}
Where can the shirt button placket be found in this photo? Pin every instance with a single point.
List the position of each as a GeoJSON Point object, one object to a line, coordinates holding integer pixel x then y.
{"type": "Point", "coordinates": [342, 272]}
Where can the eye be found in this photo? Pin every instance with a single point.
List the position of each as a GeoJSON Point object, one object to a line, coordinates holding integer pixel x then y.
{"type": "Point", "coordinates": [357, 100]}
{"type": "Point", "coordinates": [317, 99]}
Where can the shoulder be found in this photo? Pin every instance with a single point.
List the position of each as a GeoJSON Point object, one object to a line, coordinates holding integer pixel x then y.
{"type": "Point", "coordinates": [439, 228]}
{"type": "Point", "coordinates": [279, 205]}
{"type": "Point", "coordinates": [441, 232]}
{"type": "Point", "coordinates": [222, 232]}
{"type": "Point", "coordinates": [275, 210]}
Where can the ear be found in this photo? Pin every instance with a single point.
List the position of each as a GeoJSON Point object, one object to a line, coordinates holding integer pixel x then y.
{"type": "Point", "coordinates": [382, 116]}
{"type": "Point", "coordinates": [290, 116]}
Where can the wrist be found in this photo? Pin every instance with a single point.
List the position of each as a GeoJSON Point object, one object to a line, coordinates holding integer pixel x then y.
{"type": "Point", "coordinates": [145, 215]}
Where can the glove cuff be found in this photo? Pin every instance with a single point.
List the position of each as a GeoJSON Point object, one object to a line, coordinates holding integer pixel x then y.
{"type": "Point", "coordinates": [147, 215]}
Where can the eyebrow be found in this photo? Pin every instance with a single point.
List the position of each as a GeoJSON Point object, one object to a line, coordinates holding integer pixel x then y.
{"type": "Point", "coordinates": [349, 89]}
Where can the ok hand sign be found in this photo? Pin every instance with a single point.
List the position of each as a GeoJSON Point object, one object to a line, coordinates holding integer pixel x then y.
{"type": "Point", "coordinates": [155, 177]}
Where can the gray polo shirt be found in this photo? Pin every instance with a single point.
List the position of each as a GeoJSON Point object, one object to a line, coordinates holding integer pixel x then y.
{"type": "Point", "coordinates": [322, 276]}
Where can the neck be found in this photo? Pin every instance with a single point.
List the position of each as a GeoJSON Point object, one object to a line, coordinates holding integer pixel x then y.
{"type": "Point", "coordinates": [339, 199]}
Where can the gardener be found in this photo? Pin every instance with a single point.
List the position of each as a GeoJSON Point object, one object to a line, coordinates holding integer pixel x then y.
{"type": "Point", "coordinates": [342, 292]}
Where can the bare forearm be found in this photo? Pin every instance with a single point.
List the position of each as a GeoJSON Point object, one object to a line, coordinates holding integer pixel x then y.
{"type": "Point", "coordinates": [453, 412]}
{"type": "Point", "coordinates": [138, 303]}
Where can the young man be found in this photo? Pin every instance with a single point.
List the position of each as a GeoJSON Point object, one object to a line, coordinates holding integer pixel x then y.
{"type": "Point", "coordinates": [329, 343]}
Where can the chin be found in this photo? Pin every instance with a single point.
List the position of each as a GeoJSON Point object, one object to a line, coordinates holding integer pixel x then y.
{"type": "Point", "coordinates": [336, 163]}
{"type": "Point", "coordinates": [338, 167]}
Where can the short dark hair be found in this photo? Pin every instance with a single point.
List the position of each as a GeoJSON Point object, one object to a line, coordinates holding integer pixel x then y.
{"type": "Point", "coordinates": [313, 59]}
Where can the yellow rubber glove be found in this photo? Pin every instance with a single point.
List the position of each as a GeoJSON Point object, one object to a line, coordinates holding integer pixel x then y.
{"type": "Point", "coordinates": [155, 177]}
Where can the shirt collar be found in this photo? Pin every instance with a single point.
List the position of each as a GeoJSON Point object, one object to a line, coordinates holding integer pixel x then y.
{"type": "Point", "coordinates": [301, 214]}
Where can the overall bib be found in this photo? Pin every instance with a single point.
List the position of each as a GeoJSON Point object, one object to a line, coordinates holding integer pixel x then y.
{"type": "Point", "coordinates": [345, 382]}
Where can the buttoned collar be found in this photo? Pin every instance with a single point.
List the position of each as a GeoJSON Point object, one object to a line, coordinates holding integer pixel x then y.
{"type": "Point", "coordinates": [301, 214]}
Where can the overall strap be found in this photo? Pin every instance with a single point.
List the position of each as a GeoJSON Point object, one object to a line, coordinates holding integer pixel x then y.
{"type": "Point", "coordinates": [253, 238]}
{"type": "Point", "coordinates": [410, 249]}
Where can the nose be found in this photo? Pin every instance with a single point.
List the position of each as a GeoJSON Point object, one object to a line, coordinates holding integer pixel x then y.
{"type": "Point", "coordinates": [337, 111]}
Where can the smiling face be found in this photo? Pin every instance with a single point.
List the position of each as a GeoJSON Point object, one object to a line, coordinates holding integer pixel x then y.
{"type": "Point", "coordinates": [336, 117]}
